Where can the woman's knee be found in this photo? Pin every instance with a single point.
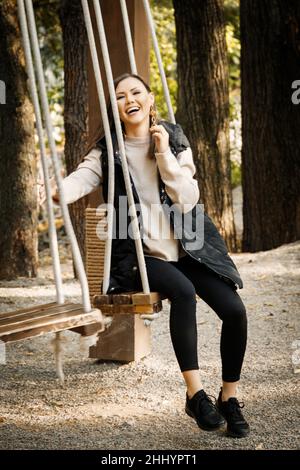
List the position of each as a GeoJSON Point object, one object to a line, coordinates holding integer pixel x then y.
{"type": "Point", "coordinates": [167, 279]}
{"type": "Point", "coordinates": [184, 292]}
{"type": "Point", "coordinates": [236, 312]}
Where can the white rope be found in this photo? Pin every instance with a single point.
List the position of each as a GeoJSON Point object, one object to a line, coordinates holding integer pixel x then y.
{"type": "Point", "coordinates": [58, 352]}
{"type": "Point", "coordinates": [40, 131]}
{"type": "Point", "coordinates": [86, 342]}
{"type": "Point", "coordinates": [65, 213]}
{"type": "Point", "coordinates": [149, 317]}
{"type": "Point", "coordinates": [159, 61]}
{"type": "Point", "coordinates": [128, 36]}
{"type": "Point", "coordinates": [112, 93]}
{"type": "Point", "coordinates": [106, 126]}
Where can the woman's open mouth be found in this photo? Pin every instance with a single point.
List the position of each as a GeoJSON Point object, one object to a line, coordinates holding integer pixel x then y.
{"type": "Point", "coordinates": [133, 110]}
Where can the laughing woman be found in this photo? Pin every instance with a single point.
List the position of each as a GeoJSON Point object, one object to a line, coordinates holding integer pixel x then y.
{"type": "Point", "coordinates": [161, 168]}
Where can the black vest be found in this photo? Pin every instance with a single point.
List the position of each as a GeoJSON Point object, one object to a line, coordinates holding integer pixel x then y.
{"type": "Point", "coordinates": [124, 275]}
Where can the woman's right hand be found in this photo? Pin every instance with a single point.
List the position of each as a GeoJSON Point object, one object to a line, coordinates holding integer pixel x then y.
{"type": "Point", "coordinates": [42, 191]}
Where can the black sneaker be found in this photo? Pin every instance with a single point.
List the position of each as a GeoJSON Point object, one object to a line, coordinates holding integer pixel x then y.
{"type": "Point", "coordinates": [202, 409]}
{"type": "Point", "coordinates": [237, 426]}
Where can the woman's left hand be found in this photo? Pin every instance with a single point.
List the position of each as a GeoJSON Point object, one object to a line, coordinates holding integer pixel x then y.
{"type": "Point", "coordinates": [161, 138]}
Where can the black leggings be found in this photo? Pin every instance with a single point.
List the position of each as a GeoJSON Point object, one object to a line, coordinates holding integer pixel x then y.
{"type": "Point", "coordinates": [180, 281]}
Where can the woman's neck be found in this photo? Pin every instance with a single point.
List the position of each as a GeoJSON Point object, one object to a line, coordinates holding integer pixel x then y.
{"type": "Point", "coordinates": [141, 130]}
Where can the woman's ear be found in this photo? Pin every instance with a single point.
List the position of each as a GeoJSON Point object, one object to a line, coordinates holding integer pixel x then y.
{"type": "Point", "coordinates": [152, 97]}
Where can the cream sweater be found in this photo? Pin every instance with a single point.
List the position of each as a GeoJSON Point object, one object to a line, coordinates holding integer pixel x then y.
{"type": "Point", "coordinates": [176, 173]}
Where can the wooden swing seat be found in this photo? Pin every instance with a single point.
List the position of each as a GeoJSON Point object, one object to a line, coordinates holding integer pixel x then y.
{"type": "Point", "coordinates": [47, 318]}
{"type": "Point", "coordinates": [130, 302]}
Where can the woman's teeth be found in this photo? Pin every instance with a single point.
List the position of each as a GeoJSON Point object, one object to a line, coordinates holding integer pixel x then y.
{"type": "Point", "coordinates": [133, 111]}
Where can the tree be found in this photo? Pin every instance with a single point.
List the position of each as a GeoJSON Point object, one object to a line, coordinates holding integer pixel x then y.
{"type": "Point", "coordinates": [76, 99]}
{"type": "Point", "coordinates": [18, 197]}
{"type": "Point", "coordinates": [270, 62]}
{"type": "Point", "coordinates": [203, 104]}
{"type": "Point", "coordinates": [163, 16]}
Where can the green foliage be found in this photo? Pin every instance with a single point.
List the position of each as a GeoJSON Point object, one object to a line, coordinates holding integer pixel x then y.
{"type": "Point", "coordinates": [232, 19]}
{"type": "Point", "coordinates": [50, 38]}
{"type": "Point", "coordinates": [51, 46]}
{"type": "Point", "coordinates": [234, 48]}
{"type": "Point", "coordinates": [163, 16]}
{"type": "Point", "coordinates": [236, 176]}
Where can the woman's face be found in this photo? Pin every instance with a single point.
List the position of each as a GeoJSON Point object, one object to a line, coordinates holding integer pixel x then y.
{"type": "Point", "coordinates": [134, 102]}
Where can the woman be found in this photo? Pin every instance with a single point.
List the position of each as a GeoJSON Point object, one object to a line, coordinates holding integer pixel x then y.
{"type": "Point", "coordinates": [161, 169]}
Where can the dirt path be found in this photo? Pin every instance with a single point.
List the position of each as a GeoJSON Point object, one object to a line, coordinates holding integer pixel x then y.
{"type": "Point", "coordinates": [141, 405]}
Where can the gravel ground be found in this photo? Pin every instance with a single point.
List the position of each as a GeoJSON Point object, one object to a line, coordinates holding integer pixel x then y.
{"type": "Point", "coordinates": [141, 405]}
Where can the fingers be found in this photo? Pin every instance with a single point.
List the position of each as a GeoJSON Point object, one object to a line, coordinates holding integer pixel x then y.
{"type": "Point", "coordinates": [158, 128]}
{"type": "Point", "coordinates": [158, 131]}
{"type": "Point", "coordinates": [41, 194]}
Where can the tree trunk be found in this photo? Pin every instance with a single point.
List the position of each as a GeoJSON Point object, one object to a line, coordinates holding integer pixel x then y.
{"type": "Point", "coordinates": [270, 62]}
{"type": "Point", "coordinates": [203, 104]}
{"type": "Point", "coordinates": [18, 195]}
{"type": "Point", "coordinates": [76, 100]}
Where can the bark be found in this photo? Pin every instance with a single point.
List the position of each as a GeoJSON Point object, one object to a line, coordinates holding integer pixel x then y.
{"type": "Point", "coordinates": [270, 62]}
{"type": "Point", "coordinates": [203, 104]}
{"type": "Point", "coordinates": [18, 195]}
{"type": "Point", "coordinates": [76, 100]}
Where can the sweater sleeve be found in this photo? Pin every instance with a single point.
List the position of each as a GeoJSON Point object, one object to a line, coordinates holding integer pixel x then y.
{"type": "Point", "coordinates": [177, 174]}
{"type": "Point", "coordinates": [85, 179]}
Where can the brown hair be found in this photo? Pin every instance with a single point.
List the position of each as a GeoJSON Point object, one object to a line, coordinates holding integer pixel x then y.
{"type": "Point", "coordinates": [99, 133]}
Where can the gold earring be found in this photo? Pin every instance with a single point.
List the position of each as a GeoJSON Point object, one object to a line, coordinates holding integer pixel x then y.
{"type": "Point", "coordinates": [153, 116]}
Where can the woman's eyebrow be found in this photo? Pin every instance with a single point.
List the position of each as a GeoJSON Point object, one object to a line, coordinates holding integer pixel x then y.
{"type": "Point", "coordinates": [119, 92]}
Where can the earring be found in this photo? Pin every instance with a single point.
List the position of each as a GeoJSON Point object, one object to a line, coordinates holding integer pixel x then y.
{"type": "Point", "coordinates": [153, 116]}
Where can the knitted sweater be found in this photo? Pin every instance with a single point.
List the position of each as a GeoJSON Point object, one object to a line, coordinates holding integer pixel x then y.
{"type": "Point", "coordinates": [176, 173]}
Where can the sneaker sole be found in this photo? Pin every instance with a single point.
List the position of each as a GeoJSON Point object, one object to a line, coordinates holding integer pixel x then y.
{"type": "Point", "coordinates": [237, 436]}
{"type": "Point", "coordinates": [203, 427]}
{"type": "Point", "coordinates": [233, 434]}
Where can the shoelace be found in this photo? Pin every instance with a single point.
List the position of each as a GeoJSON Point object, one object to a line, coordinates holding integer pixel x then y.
{"type": "Point", "coordinates": [234, 408]}
{"type": "Point", "coordinates": [205, 402]}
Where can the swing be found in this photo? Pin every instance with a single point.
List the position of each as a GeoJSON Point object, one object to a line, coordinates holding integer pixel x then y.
{"type": "Point", "coordinates": [110, 304]}
{"type": "Point", "coordinates": [60, 315]}
{"type": "Point", "coordinates": [145, 303]}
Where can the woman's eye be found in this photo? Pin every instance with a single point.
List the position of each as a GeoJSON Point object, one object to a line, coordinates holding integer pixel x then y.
{"type": "Point", "coordinates": [119, 97]}
{"type": "Point", "coordinates": [136, 92]}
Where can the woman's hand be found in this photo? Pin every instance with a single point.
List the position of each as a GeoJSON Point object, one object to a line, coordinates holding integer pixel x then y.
{"type": "Point", "coordinates": [42, 191]}
{"type": "Point", "coordinates": [161, 138]}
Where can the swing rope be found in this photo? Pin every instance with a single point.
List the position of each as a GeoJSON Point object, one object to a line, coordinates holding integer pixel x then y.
{"type": "Point", "coordinates": [128, 37]}
{"type": "Point", "coordinates": [159, 61]}
{"type": "Point", "coordinates": [39, 126]}
{"type": "Point", "coordinates": [45, 107]}
{"type": "Point", "coordinates": [109, 145]}
{"type": "Point", "coordinates": [120, 139]}
{"type": "Point", "coordinates": [109, 77]}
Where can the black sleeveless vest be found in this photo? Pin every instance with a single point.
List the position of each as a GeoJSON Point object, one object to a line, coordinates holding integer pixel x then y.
{"type": "Point", "coordinates": [124, 275]}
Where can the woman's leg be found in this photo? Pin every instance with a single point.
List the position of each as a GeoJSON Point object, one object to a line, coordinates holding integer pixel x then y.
{"type": "Point", "coordinates": [227, 304]}
{"type": "Point", "coordinates": [164, 277]}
